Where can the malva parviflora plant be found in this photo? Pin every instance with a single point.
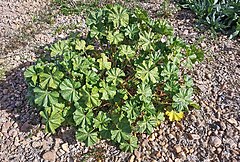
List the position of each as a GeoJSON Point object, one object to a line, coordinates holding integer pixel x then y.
{"type": "Point", "coordinates": [122, 79]}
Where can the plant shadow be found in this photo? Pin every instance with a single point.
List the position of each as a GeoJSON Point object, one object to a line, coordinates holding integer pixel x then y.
{"type": "Point", "coordinates": [14, 102]}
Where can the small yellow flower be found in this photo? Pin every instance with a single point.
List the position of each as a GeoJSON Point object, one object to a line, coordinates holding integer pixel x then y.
{"type": "Point", "coordinates": [174, 115]}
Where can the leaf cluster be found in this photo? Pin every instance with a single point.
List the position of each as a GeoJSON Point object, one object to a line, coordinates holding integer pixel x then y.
{"type": "Point", "coordinates": [219, 15]}
{"type": "Point", "coordinates": [118, 82]}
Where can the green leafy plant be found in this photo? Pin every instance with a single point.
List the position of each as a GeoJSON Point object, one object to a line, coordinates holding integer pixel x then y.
{"type": "Point", "coordinates": [219, 15]}
{"type": "Point", "coordinates": [121, 80]}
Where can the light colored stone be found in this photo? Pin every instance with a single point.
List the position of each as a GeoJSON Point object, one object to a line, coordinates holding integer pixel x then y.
{"type": "Point", "coordinates": [223, 125]}
{"type": "Point", "coordinates": [232, 121]}
{"type": "Point", "coordinates": [191, 151]}
{"type": "Point", "coordinates": [13, 133]}
{"type": "Point", "coordinates": [152, 137]}
{"type": "Point", "coordinates": [185, 32]}
{"type": "Point", "coordinates": [203, 45]}
{"type": "Point", "coordinates": [177, 149]}
{"type": "Point", "coordinates": [194, 136]}
{"type": "Point", "coordinates": [6, 126]}
{"type": "Point", "coordinates": [177, 160]}
{"type": "Point", "coordinates": [36, 144]}
{"type": "Point", "coordinates": [215, 141]}
{"type": "Point", "coordinates": [137, 154]}
{"type": "Point", "coordinates": [132, 158]}
{"type": "Point", "coordinates": [65, 147]}
{"type": "Point", "coordinates": [159, 154]}
{"type": "Point", "coordinates": [49, 155]}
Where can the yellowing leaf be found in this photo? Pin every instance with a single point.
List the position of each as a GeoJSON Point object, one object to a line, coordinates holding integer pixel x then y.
{"type": "Point", "coordinates": [104, 63]}
{"type": "Point", "coordinates": [80, 45]}
{"type": "Point", "coordinates": [174, 116]}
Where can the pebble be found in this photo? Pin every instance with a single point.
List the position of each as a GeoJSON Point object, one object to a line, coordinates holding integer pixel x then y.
{"type": "Point", "coordinates": [49, 155]}
{"type": "Point", "coordinates": [152, 137]}
{"type": "Point", "coordinates": [145, 143]}
{"type": "Point", "coordinates": [185, 32]}
{"type": "Point", "coordinates": [180, 126]}
{"type": "Point", "coordinates": [177, 160]}
{"type": "Point", "coordinates": [223, 125]}
{"type": "Point", "coordinates": [16, 141]}
{"type": "Point", "coordinates": [203, 45]}
{"type": "Point", "coordinates": [215, 141]}
{"type": "Point", "coordinates": [36, 144]}
{"type": "Point", "coordinates": [232, 121]}
{"type": "Point", "coordinates": [137, 154]}
{"type": "Point", "coordinates": [13, 133]}
{"type": "Point", "coordinates": [158, 154]}
{"type": "Point", "coordinates": [177, 149]}
{"type": "Point", "coordinates": [191, 151]}
{"type": "Point", "coordinates": [6, 126]}
{"type": "Point", "coordinates": [132, 158]}
{"type": "Point", "coordinates": [194, 136]}
{"type": "Point", "coordinates": [219, 150]}
{"type": "Point", "coordinates": [65, 147]}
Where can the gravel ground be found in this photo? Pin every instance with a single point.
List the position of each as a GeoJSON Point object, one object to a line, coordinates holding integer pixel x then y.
{"type": "Point", "coordinates": [210, 134]}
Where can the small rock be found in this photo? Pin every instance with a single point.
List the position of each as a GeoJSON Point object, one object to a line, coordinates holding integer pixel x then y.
{"type": "Point", "coordinates": [159, 154]}
{"type": "Point", "coordinates": [185, 149]}
{"type": "Point", "coordinates": [203, 45]}
{"type": "Point", "coordinates": [203, 88]}
{"type": "Point", "coordinates": [132, 158]}
{"type": "Point", "coordinates": [215, 141]}
{"type": "Point", "coordinates": [171, 136]}
{"type": "Point", "coordinates": [232, 144]}
{"type": "Point", "coordinates": [6, 126]}
{"type": "Point", "coordinates": [185, 32]}
{"type": "Point", "coordinates": [213, 149]}
{"type": "Point", "coordinates": [223, 125]}
{"type": "Point", "coordinates": [179, 125]}
{"type": "Point", "coordinates": [160, 132]}
{"type": "Point", "coordinates": [183, 156]}
{"type": "Point", "coordinates": [13, 133]}
{"type": "Point", "coordinates": [177, 160]}
{"type": "Point", "coordinates": [234, 160]}
{"type": "Point", "coordinates": [60, 152]}
{"type": "Point", "coordinates": [45, 145]}
{"type": "Point", "coordinates": [238, 128]}
{"type": "Point", "coordinates": [35, 138]}
{"type": "Point", "coordinates": [145, 143]}
{"type": "Point", "coordinates": [40, 134]}
{"type": "Point", "coordinates": [209, 76]}
{"type": "Point", "coordinates": [35, 160]}
{"type": "Point", "coordinates": [219, 150]}
{"type": "Point", "coordinates": [5, 91]}
{"type": "Point", "coordinates": [177, 149]}
{"type": "Point", "coordinates": [232, 121]}
{"type": "Point", "coordinates": [194, 136]}
{"type": "Point", "coordinates": [16, 141]}
{"type": "Point", "coordinates": [17, 58]}
{"type": "Point", "coordinates": [137, 154]}
{"type": "Point", "coordinates": [57, 143]}
{"type": "Point", "coordinates": [65, 147]}
{"type": "Point", "coordinates": [152, 137]}
{"type": "Point", "coordinates": [36, 144]}
{"type": "Point", "coordinates": [49, 155]}
{"type": "Point", "coordinates": [191, 151]}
